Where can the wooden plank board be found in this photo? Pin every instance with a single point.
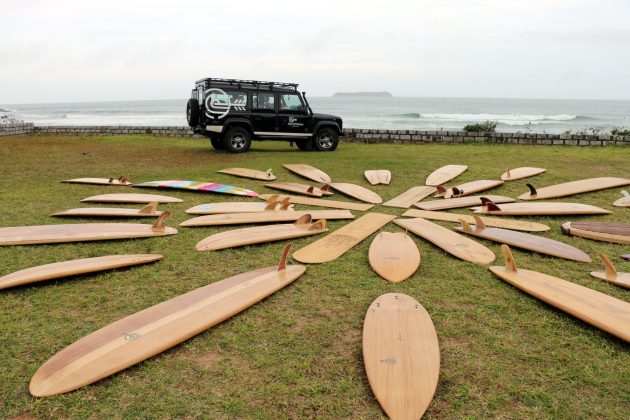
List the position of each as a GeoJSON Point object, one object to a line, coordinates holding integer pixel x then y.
{"type": "Point", "coordinates": [249, 173]}
{"type": "Point", "coordinates": [598, 309]}
{"type": "Point", "coordinates": [401, 354]}
{"type": "Point", "coordinates": [308, 172]}
{"type": "Point", "coordinates": [99, 181]}
{"type": "Point", "coordinates": [521, 173]}
{"type": "Point", "coordinates": [298, 188]}
{"type": "Point", "coordinates": [335, 244]}
{"type": "Point", "coordinates": [526, 241]}
{"type": "Point", "coordinates": [468, 188]}
{"type": "Point", "coordinates": [409, 197]}
{"type": "Point", "coordinates": [320, 202]}
{"type": "Point", "coordinates": [264, 217]}
{"type": "Point", "coordinates": [357, 191]}
{"type": "Point", "coordinates": [454, 203]}
{"type": "Point", "coordinates": [153, 330]}
{"type": "Point", "coordinates": [147, 211]}
{"type": "Point", "coordinates": [260, 234]}
{"type": "Point", "coordinates": [199, 186]}
{"type": "Point", "coordinates": [74, 267]}
{"type": "Point", "coordinates": [618, 233]}
{"type": "Point", "coordinates": [540, 209]}
{"type": "Point", "coordinates": [611, 275]}
{"type": "Point", "coordinates": [574, 187]}
{"type": "Point", "coordinates": [271, 204]}
{"type": "Point", "coordinates": [624, 201]}
{"type": "Point", "coordinates": [488, 221]}
{"type": "Point", "coordinates": [444, 174]}
{"type": "Point", "coordinates": [378, 176]}
{"type": "Point", "coordinates": [455, 244]}
{"type": "Point", "coordinates": [394, 256]}
{"type": "Point", "coordinates": [131, 198]}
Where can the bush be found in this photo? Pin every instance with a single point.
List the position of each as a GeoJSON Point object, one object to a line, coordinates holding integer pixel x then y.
{"type": "Point", "coordinates": [620, 131]}
{"type": "Point", "coordinates": [484, 127]}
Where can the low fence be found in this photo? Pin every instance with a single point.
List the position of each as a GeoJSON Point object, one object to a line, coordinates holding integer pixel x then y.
{"type": "Point", "coordinates": [351, 135]}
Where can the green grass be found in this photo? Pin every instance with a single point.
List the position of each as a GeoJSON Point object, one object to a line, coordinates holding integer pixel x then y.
{"type": "Point", "coordinates": [298, 353]}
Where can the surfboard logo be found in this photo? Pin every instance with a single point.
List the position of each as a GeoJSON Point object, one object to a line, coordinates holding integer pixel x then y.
{"type": "Point", "coordinates": [389, 361]}
{"type": "Point", "coordinates": [218, 103]}
{"type": "Point", "coordinates": [131, 336]}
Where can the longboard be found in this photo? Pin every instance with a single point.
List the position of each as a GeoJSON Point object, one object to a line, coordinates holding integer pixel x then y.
{"type": "Point", "coordinates": [618, 233]}
{"type": "Point", "coordinates": [99, 181]}
{"type": "Point", "coordinates": [249, 173]}
{"type": "Point", "coordinates": [74, 267]}
{"type": "Point", "coordinates": [401, 354]}
{"type": "Point", "coordinates": [409, 197]}
{"type": "Point", "coordinates": [131, 198]}
{"type": "Point", "coordinates": [48, 234]}
{"type": "Point", "coordinates": [598, 309]}
{"type": "Point", "coordinates": [624, 201]}
{"type": "Point", "coordinates": [210, 187]}
{"type": "Point", "coordinates": [538, 209]}
{"type": "Point", "coordinates": [308, 172]}
{"type": "Point", "coordinates": [378, 176]}
{"type": "Point", "coordinates": [394, 256]}
{"type": "Point", "coordinates": [259, 234]}
{"type": "Point", "coordinates": [467, 188]}
{"type": "Point", "coordinates": [150, 210]}
{"type": "Point", "coordinates": [524, 240]}
{"type": "Point", "coordinates": [488, 221]}
{"type": "Point", "coordinates": [153, 330]}
{"type": "Point", "coordinates": [610, 273]}
{"type": "Point", "coordinates": [272, 204]}
{"type": "Point", "coordinates": [335, 244]}
{"type": "Point", "coordinates": [264, 217]}
{"type": "Point", "coordinates": [357, 191]}
{"type": "Point", "coordinates": [298, 188]}
{"type": "Point", "coordinates": [454, 203]}
{"type": "Point", "coordinates": [455, 244]}
{"type": "Point", "coordinates": [294, 199]}
{"type": "Point", "coordinates": [572, 188]}
{"type": "Point", "coordinates": [444, 174]}
{"type": "Point", "coordinates": [521, 173]}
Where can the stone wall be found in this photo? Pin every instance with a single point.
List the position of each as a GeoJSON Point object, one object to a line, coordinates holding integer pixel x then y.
{"type": "Point", "coordinates": [113, 130]}
{"type": "Point", "coordinates": [17, 129]}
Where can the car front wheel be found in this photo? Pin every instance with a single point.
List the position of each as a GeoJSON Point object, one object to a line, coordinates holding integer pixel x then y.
{"type": "Point", "coordinates": [326, 140]}
{"type": "Point", "coordinates": [237, 140]}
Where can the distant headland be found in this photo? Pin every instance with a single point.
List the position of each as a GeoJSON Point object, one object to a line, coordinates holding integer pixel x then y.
{"type": "Point", "coordinates": [364, 94]}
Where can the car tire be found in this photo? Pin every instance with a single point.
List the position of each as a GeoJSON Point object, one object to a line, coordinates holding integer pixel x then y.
{"type": "Point", "coordinates": [192, 112]}
{"type": "Point", "coordinates": [326, 139]}
{"type": "Point", "coordinates": [304, 144]}
{"type": "Point", "coordinates": [216, 143]}
{"type": "Point", "coordinates": [237, 140]}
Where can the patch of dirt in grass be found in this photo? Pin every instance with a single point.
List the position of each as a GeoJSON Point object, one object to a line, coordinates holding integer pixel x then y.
{"type": "Point", "coordinates": [207, 361]}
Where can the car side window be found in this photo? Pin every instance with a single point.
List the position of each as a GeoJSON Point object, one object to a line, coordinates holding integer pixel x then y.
{"type": "Point", "coordinates": [263, 101]}
{"type": "Point", "coordinates": [237, 99]}
{"type": "Point", "coordinates": [291, 102]}
{"type": "Point", "coordinates": [200, 96]}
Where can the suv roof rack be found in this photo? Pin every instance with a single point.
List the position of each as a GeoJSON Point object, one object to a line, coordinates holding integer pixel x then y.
{"type": "Point", "coordinates": [247, 84]}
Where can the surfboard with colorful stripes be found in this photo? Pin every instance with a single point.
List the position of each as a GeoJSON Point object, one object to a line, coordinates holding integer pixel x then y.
{"type": "Point", "coordinates": [199, 186]}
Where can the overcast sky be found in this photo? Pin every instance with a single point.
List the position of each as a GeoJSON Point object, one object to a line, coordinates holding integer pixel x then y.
{"type": "Point", "coordinates": [63, 51]}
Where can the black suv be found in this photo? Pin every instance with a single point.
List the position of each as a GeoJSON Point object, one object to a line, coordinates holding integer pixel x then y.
{"type": "Point", "coordinates": [232, 113]}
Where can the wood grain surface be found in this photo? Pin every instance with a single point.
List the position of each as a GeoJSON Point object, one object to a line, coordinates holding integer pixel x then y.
{"type": "Point", "coordinates": [321, 202]}
{"type": "Point", "coordinates": [575, 187]}
{"type": "Point", "coordinates": [411, 196]}
{"type": "Point", "coordinates": [249, 173]}
{"type": "Point", "coordinates": [308, 172]}
{"type": "Point", "coordinates": [444, 174]}
{"type": "Point", "coordinates": [488, 221]}
{"type": "Point", "coordinates": [454, 203]}
{"type": "Point", "coordinates": [378, 176]}
{"type": "Point", "coordinates": [541, 209]}
{"type": "Point", "coordinates": [394, 256]}
{"type": "Point", "coordinates": [520, 173]}
{"type": "Point", "coordinates": [357, 191]}
{"type": "Point", "coordinates": [264, 217]}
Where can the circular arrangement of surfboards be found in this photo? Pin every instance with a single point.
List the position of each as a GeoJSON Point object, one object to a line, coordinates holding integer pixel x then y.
{"type": "Point", "coordinates": [400, 343]}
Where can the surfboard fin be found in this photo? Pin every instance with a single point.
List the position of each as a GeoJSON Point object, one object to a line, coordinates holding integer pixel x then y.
{"type": "Point", "coordinates": [272, 202]}
{"type": "Point", "coordinates": [285, 203]}
{"type": "Point", "coordinates": [325, 188]}
{"type": "Point", "coordinates": [310, 190]}
{"type": "Point", "coordinates": [611, 271]}
{"type": "Point", "coordinates": [479, 224]}
{"type": "Point", "coordinates": [532, 189]}
{"type": "Point", "coordinates": [269, 173]}
{"type": "Point", "coordinates": [283, 259]}
{"type": "Point", "coordinates": [566, 228]}
{"type": "Point", "coordinates": [487, 203]}
{"type": "Point", "coordinates": [303, 220]}
{"type": "Point", "coordinates": [507, 171]}
{"type": "Point", "coordinates": [149, 208]}
{"type": "Point", "coordinates": [465, 225]}
{"type": "Point", "coordinates": [111, 180]}
{"type": "Point", "coordinates": [440, 190]}
{"type": "Point", "coordinates": [626, 194]}
{"type": "Point", "coordinates": [122, 179]}
{"type": "Point", "coordinates": [159, 224]}
{"type": "Point", "coordinates": [510, 264]}
{"type": "Point", "coordinates": [318, 225]}
{"type": "Point", "coordinates": [457, 191]}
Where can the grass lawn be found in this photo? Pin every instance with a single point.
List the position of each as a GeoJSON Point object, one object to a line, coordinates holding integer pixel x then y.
{"type": "Point", "coordinates": [298, 353]}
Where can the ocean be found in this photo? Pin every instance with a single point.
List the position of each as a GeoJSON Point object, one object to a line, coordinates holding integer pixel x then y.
{"type": "Point", "coordinates": [525, 115]}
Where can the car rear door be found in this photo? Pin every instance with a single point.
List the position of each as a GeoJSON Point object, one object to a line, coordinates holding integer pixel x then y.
{"type": "Point", "coordinates": [293, 118]}
{"type": "Point", "coordinates": [264, 113]}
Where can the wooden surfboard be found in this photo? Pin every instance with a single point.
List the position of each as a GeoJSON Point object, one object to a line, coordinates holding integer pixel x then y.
{"type": "Point", "coordinates": [131, 198]}
{"type": "Point", "coordinates": [308, 172]}
{"type": "Point", "coordinates": [624, 201]}
{"type": "Point", "coordinates": [598, 309]}
{"type": "Point", "coordinates": [467, 188]}
{"type": "Point", "coordinates": [48, 234]}
{"type": "Point", "coordinates": [335, 244]}
{"type": "Point", "coordinates": [520, 173]}
{"type": "Point", "coordinates": [249, 173]}
{"type": "Point", "coordinates": [271, 204]}
{"type": "Point", "coordinates": [358, 192]}
{"type": "Point", "coordinates": [259, 234]}
{"type": "Point", "coordinates": [455, 244]}
{"type": "Point", "coordinates": [444, 174]}
{"type": "Point", "coordinates": [538, 209]}
{"type": "Point", "coordinates": [488, 221]}
{"type": "Point", "coordinates": [264, 217]}
{"type": "Point", "coordinates": [99, 181]}
{"type": "Point", "coordinates": [524, 241]}
{"type": "Point", "coordinates": [298, 188]}
{"type": "Point", "coordinates": [153, 330]}
{"type": "Point", "coordinates": [401, 354]}
{"type": "Point", "coordinates": [74, 267]}
{"type": "Point", "coordinates": [150, 210]}
{"type": "Point", "coordinates": [320, 202]}
{"type": "Point", "coordinates": [378, 176]}
{"type": "Point", "coordinates": [394, 256]}
{"type": "Point", "coordinates": [572, 188]}
{"type": "Point", "coordinates": [610, 273]}
{"type": "Point", "coordinates": [617, 233]}
{"type": "Point", "coordinates": [211, 187]}
{"type": "Point", "coordinates": [454, 203]}
{"type": "Point", "coordinates": [409, 197]}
